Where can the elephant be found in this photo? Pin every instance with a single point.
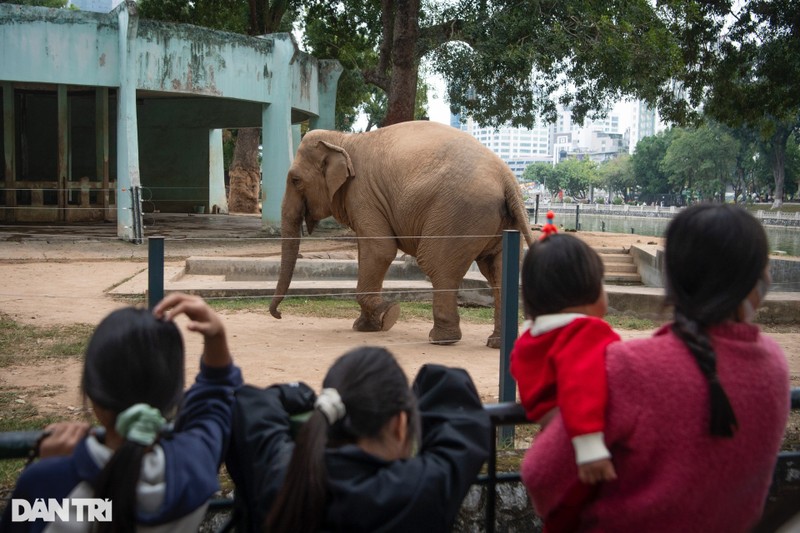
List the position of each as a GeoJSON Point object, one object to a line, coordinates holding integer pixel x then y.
{"type": "Point", "coordinates": [425, 188]}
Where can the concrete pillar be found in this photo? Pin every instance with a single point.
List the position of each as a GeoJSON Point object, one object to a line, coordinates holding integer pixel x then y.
{"type": "Point", "coordinates": [329, 72]}
{"type": "Point", "coordinates": [276, 133]}
{"type": "Point", "coordinates": [217, 199]}
{"type": "Point", "coordinates": [296, 137]}
{"type": "Point", "coordinates": [129, 209]}
{"type": "Point", "coordinates": [9, 152]}
{"type": "Point", "coordinates": [101, 137]}
{"type": "Point", "coordinates": [63, 148]}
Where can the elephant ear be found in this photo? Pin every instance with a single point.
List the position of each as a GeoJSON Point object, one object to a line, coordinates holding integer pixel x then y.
{"type": "Point", "coordinates": [338, 168]}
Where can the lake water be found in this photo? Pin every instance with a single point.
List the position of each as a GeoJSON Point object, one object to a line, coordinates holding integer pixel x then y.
{"type": "Point", "coordinates": [780, 238]}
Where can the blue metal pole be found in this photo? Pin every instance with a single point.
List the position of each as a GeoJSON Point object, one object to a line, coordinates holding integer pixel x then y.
{"type": "Point", "coordinates": [509, 312]}
{"type": "Point", "coordinates": [155, 271]}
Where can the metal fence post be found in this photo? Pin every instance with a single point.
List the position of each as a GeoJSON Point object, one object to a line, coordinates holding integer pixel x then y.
{"type": "Point", "coordinates": [577, 217]}
{"type": "Point", "coordinates": [509, 312]}
{"type": "Point", "coordinates": [155, 271]}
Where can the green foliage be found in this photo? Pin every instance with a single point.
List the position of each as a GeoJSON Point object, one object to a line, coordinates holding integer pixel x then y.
{"type": "Point", "coordinates": [701, 161]}
{"type": "Point", "coordinates": [575, 177]}
{"type": "Point", "coordinates": [539, 173]}
{"type": "Point", "coordinates": [646, 162]}
{"type": "Point", "coordinates": [40, 3]}
{"type": "Point", "coordinates": [258, 17]}
{"type": "Point", "coordinates": [616, 176]}
{"type": "Point", "coordinates": [514, 61]}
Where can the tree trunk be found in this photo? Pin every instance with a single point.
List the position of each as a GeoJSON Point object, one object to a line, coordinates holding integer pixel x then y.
{"type": "Point", "coordinates": [245, 173]}
{"type": "Point", "coordinates": [778, 160]}
{"type": "Point", "coordinates": [245, 170]}
{"type": "Point", "coordinates": [402, 91]}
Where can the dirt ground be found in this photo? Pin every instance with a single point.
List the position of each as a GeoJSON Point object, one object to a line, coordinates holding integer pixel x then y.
{"type": "Point", "coordinates": [57, 276]}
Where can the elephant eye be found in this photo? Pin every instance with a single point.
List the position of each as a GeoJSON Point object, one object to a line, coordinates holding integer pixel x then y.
{"type": "Point", "coordinates": [297, 182]}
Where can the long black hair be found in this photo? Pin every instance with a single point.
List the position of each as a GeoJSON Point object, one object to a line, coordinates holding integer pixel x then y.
{"type": "Point", "coordinates": [132, 358]}
{"type": "Point", "coordinates": [715, 255]}
{"type": "Point", "coordinates": [373, 389]}
{"type": "Point", "coordinates": [558, 272]}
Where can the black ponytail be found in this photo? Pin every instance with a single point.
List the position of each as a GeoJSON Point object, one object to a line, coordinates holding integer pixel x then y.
{"type": "Point", "coordinates": [117, 482]}
{"type": "Point", "coordinates": [373, 389]}
{"type": "Point", "coordinates": [723, 419]}
{"type": "Point", "coordinates": [715, 254]}
{"type": "Point", "coordinates": [300, 505]}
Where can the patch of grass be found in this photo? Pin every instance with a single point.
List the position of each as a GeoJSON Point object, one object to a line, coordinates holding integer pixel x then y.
{"type": "Point", "coordinates": [24, 343]}
{"type": "Point", "coordinates": [348, 308]}
{"type": "Point", "coordinates": [631, 322]}
{"type": "Point", "coordinates": [18, 414]}
{"type": "Point", "coordinates": [341, 308]}
{"type": "Point", "coordinates": [787, 207]}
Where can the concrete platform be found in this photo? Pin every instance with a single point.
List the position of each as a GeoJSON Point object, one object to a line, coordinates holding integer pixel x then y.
{"type": "Point", "coordinates": [229, 277]}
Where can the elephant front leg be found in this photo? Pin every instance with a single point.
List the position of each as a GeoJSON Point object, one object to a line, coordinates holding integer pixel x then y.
{"type": "Point", "coordinates": [377, 314]}
{"type": "Point", "coordinates": [446, 328]}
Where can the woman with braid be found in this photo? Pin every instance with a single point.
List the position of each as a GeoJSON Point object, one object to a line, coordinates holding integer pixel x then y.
{"type": "Point", "coordinates": [696, 413]}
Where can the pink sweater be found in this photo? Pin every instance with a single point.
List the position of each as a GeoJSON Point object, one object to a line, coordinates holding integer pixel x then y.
{"type": "Point", "coordinates": [672, 474]}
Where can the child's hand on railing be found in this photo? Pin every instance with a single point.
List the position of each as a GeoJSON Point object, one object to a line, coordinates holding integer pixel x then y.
{"type": "Point", "coordinates": [60, 438]}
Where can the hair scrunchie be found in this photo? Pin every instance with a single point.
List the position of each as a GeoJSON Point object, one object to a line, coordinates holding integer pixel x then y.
{"type": "Point", "coordinates": [140, 423]}
{"type": "Point", "coordinates": [331, 405]}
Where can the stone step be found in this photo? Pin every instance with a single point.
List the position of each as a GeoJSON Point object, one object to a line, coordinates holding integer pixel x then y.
{"type": "Point", "coordinates": [622, 278]}
{"type": "Point", "coordinates": [627, 268]}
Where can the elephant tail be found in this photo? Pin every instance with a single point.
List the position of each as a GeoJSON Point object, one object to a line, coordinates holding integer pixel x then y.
{"type": "Point", "coordinates": [517, 211]}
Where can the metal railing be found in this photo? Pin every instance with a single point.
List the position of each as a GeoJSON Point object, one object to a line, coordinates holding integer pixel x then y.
{"type": "Point", "coordinates": [19, 444]}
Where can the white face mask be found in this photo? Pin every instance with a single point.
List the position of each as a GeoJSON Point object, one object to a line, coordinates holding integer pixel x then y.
{"type": "Point", "coordinates": [748, 311]}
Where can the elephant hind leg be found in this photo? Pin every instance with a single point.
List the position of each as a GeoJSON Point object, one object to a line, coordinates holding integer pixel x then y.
{"type": "Point", "coordinates": [446, 321]}
{"type": "Point", "coordinates": [492, 269]}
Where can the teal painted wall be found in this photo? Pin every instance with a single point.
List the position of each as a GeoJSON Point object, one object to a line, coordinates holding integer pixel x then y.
{"type": "Point", "coordinates": [171, 85]}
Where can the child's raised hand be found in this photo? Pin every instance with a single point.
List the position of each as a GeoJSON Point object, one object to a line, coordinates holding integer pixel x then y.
{"type": "Point", "coordinates": [203, 320]}
{"type": "Point", "coordinates": [597, 471]}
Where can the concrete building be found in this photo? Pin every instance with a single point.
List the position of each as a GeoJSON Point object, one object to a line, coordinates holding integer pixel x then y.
{"type": "Point", "coordinates": [643, 125]}
{"type": "Point", "coordinates": [107, 114]}
{"type": "Point", "coordinates": [518, 147]}
{"type": "Point", "coordinates": [599, 139]}
{"type": "Point", "coordinates": [596, 139]}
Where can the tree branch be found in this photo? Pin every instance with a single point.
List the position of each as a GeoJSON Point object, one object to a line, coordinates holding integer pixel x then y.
{"type": "Point", "coordinates": [431, 37]}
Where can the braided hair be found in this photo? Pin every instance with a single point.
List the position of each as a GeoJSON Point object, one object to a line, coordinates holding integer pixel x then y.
{"type": "Point", "coordinates": [715, 255]}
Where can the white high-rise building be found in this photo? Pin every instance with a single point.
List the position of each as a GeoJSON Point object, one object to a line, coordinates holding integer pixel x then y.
{"type": "Point", "coordinates": [599, 139]}
{"type": "Point", "coordinates": [643, 125]}
{"type": "Point", "coordinates": [518, 147]}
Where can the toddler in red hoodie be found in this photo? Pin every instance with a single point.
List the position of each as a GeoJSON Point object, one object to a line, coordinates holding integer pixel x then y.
{"type": "Point", "coordinates": [559, 359]}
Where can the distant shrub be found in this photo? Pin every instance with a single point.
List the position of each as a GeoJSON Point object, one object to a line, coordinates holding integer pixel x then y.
{"type": "Point", "coordinates": [617, 200]}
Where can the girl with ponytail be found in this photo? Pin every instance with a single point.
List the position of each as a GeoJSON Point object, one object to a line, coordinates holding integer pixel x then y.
{"type": "Point", "coordinates": [374, 454]}
{"type": "Point", "coordinates": [696, 413]}
{"type": "Point", "coordinates": [157, 476]}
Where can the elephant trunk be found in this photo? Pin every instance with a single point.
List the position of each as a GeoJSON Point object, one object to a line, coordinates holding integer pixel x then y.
{"type": "Point", "coordinates": [290, 246]}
